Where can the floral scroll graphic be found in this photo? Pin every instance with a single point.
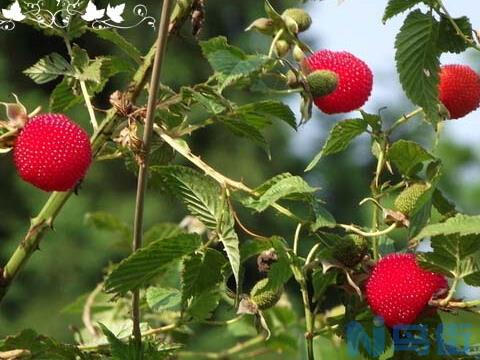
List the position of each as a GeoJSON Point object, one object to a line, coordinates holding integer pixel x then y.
{"type": "Point", "coordinates": [110, 17]}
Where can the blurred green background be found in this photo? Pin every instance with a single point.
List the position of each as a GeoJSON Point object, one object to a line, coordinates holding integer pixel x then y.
{"type": "Point", "coordinates": [72, 258]}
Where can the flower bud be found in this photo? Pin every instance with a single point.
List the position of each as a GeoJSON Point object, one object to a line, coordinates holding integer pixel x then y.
{"type": "Point", "coordinates": [301, 18]}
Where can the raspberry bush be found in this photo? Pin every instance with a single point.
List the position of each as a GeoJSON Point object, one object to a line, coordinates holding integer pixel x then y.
{"type": "Point", "coordinates": [272, 296]}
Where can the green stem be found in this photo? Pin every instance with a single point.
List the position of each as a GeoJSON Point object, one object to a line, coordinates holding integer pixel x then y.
{"type": "Point", "coordinates": [274, 41]}
{"type": "Point", "coordinates": [44, 220]}
{"type": "Point", "coordinates": [296, 238]}
{"type": "Point", "coordinates": [470, 42]}
{"type": "Point", "coordinates": [143, 171]}
{"type": "Point", "coordinates": [403, 120]}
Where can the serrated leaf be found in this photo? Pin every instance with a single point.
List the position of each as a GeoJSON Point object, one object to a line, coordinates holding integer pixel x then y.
{"type": "Point", "coordinates": [321, 282]}
{"type": "Point", "coordinates": [202, 306]}
{"type": "Point", "coordinates": [62, 97]}
{"type": "Point", "coordinates": [161, 231]}
{"type": "Point", "coordinates": [339, 138]}
{"type": "Point", "coordinates": [449, 40]}
{"type": "Point", "coordinates": [123, 44]}
{"type": "Point", "coordinates": [284, 187]}
{"type": "Point", "coordinates": [41, 347]}
{"type": "Point", "coordinates": [145, 264]}
{"type": "Point", "coordinates": [269, 110]}
{"type": "Point", "coordinates": [395, 7]}
{"type": "Point", "coordinates": [323, 218]}
{"type": "Point", "coordinates": [459, 224]}
{"type": "Point", "coordinates": [453, 256]}
{"type": "Point", "coordinates": [443, 205]}
{"type": "Point", "coordinates": [417, 59]}
{"type": "Point", "coordinates": [160, 299]}
{"type": "Point", "coordinates": [406, 155]}
{"type": "Point", "coordinates": [202, 272]}
{"type": "Point", "coordinates": [374, 120]}
{"type": "Point", "coordinates": [203, 198]}
{"type": "Point", "coordinates": [230, 62]}
{"type": "Point", "coordinates": [119, 349]}
{"type": "Point", "coordinates": [49, 68]}
{"type": "Point", "coordinates": [241, 128]}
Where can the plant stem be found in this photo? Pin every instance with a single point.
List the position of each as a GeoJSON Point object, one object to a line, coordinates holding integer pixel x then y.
{"type": "Point", "coordinates": [470, 42]}
{"type": "Point", "coordinates": [368, 234]}
{"type": "Point", "coordinates": [44, 220]}
{"type": "Point", "coordinates": [88, 102]}
{"type": "Point", "coordinates": [143, 171]}
{"type": "Point", "coordinates": [404, 119]}
{"type": "Point", "coordinates": [296, 238]}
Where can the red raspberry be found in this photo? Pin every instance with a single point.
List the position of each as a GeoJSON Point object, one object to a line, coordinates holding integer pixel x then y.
{"type": "Point", "coordinates": [399, 289]}
{"type": "Point", "coordinates": [52, 152]}
{"type": "Point", "coordinates": [355, 80]}
{"type": "Point", "coordinates": [459, 89]}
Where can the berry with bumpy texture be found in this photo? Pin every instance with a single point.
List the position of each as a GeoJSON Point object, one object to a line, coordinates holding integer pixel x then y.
{"type": "Point", "coordinates": [350, 250]}
{"type": "Point", "coordinates": [407, 200]}
{"type": "Point", "coordinates": [265, 299]}
{"type": "Point", "coordinates": [300, 16]}
{"type": "Point", "coordinates": [398, 289]}
{"type": "Point", "coordinates": [355, 80]}
{"type": "Point", "coordinates": [459, 90]}
{"type": "Point", "coordinates": [52, 152]}
{"type": "Point", "coordinates": [322, 82]}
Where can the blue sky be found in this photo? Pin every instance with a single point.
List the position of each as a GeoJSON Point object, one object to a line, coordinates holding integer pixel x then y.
{"type": "Point", "coordinates": [356, 26]}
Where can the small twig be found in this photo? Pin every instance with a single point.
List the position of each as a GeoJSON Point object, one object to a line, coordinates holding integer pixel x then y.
{"type": "Point", "coordinates": [404, 119]}
{"type": "Point", "coordinates": [88, 103]}
{"type": "Point", "coordinates": [296, 238]}
{"type": "Point", "coordinates": [368, 234]}
{"type": "Point", "coordinates": [240, 224]}
{"type": "Point", "coordinates": [274, 41]}
{"type": "Point", "coordinates": [312, 253]}
{"type": "Point", "coordinates": [451, 292]}
{"type": "Point", "coordinates": [87, 310]}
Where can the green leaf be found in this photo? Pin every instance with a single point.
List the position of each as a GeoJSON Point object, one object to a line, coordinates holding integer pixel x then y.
{"type": "Point", "coordinates": [119, 349]}
{"type": "Point", "coordinates": [119, 41]}
{"type": "Point", "coordinates": [49, 68]}
{"type": "Point", "coordinates": [242, 128]}
{"type": "Point", "coordinates": [453, 256]}
{"type": "Point", "coordinates": [202, 306]}
{"type": "Point", "coordinates": [443, 205]}
{"type": "Point", "coordinates": [321, 282]}
{"type": "Point", "coordinates": [339, 138]}
{"type": "Point", "coordinates": [406, 155]}
{"type": "Point", "coordinates": [161, 231]}
{"type": "Point", "coordinates": [459, 224]}
{"type": "Point", "coordinates": [41, 347]}
{"type": "Point", "coordinates": [395, 7]}
{"type": "Point", "coordinates": [202, 272]}
{"type": "Point", "coordinates": [107, 222]}
{"type": "Point", "coordinates": [417, 59]}
{"type": "Point", "coordinates": [284, 187]}
{"type": "Point", "coordinates": [205, 200]}
{"type": "Point", "coordinates": [420, 216]}
{"type": "Point", "coordinates": [374, 120]}
{"type": "Point", "coordinates": [62, 97]}
{"type": "Point", "coordinates": [147, 263]}
{"type": "Point", "coordinates": [449, 40]}
{"type": "Point", "coordinates": [229, 62]}
{"type": "Point", "coordinates": [323, 218]}
{"type": "Point", "coordinates": [269, 110]}
{"type": "Point", "coordinates": [160, 299]}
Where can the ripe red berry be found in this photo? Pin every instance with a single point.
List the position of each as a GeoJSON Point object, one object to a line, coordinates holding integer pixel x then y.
{"type": "Point", "coordinates": [355, 80]}
{"type": "Point", "coordinates": [399, 289]}
{"type": "Point", "coordinates": [459, 90]}
{"type": "Point", "coordinates": [52, 152]}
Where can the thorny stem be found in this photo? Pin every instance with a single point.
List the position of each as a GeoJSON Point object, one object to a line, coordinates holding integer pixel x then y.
{"type": "Point", "coordinates": [143, 170]}
{"type": "Point", "coordinates": [404, 119]}
{"type": "Point", "coordinates": [44, 220]}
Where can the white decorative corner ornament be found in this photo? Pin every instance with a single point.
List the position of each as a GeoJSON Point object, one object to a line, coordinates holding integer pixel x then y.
{"type": "Point", "coordinates": [34, 11]}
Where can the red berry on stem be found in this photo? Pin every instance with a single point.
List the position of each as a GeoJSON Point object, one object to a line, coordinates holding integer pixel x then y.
{"type": "Point", "coordinates": [52, 152]}
{"type": "Point", "coordinates": [459, 90]}
{"type": "Point", "coordinates": [355, 80]}
{"type": "Point", "coordinates": [399, 289]}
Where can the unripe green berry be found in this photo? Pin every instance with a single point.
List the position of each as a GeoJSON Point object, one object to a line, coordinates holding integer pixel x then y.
{"type": "Point", "coordinates": [263, 25]}
{"type": "Point", "coordinates": [265, 299]}
{"type": "Point", "coordinates": [322, 82]}
{"type": "Point", "coordinates": [408, 198]}
{"type": "Point", "coordinates": [350, 250]}
{"type": "Point", "coordinates": [298, 53]}
{"type": "Point", "coordinates": [282, 47]}
{"type": "Point", "coordinates": [300, 16]}
{"type": "Point", "coordinates": [292, 80]}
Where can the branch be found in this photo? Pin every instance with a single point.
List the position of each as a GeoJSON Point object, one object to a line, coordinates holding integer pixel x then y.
{"type": "Point", "coordinates": [143, 171]}
{"type": "Point", "coordinates": [46, 217]}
